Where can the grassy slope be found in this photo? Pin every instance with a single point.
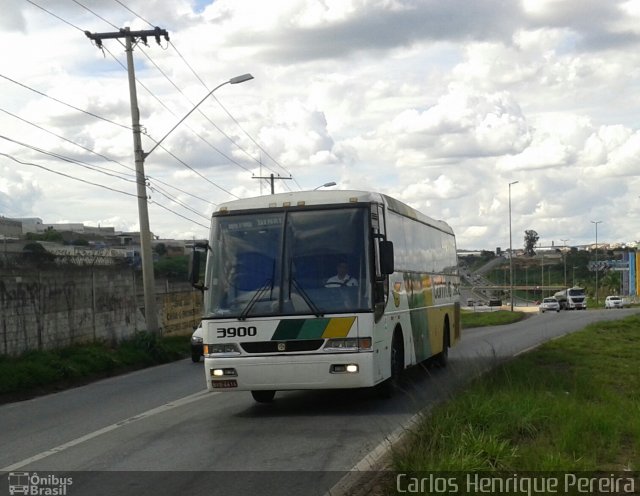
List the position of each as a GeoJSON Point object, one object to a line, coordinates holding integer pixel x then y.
{"type": "Point", "coordinates": [39, 372]}
{"type": "Point", "coordinates": [572, 404]}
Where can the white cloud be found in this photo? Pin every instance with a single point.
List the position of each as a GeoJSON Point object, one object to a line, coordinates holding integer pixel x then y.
{"type": "Point", "coordinates": [441, 104]}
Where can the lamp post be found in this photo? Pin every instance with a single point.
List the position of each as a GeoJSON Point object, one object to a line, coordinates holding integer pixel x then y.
{"type": "Point", "coordinates": [564, 257]}
{"type": "Point", "coordinates": [148, 279]}
{"type": "Point", "coordinates": [596, 222]}
{"type": "Point", "coordinates": [510, 249]}
{"type": "Point", "coordinates": [325, 185]}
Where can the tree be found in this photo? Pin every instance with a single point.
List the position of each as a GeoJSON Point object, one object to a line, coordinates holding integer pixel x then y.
{"type": "Point", "coordinates": [530, 239]}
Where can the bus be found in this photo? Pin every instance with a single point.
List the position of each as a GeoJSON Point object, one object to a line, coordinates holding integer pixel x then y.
{"type": "Point", "coordinates": [324, 290]}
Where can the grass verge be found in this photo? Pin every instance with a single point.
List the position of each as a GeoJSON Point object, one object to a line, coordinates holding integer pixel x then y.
{"type": "Point", "coordinates": [571, 405]}
{"type": "Point", "coordinates": [38, 372]}
{"type": "Point", "coordinates": [482, 319]}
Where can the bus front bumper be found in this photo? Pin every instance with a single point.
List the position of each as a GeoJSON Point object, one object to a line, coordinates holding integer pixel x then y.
{"type": "Point", "coordinates": [327, 371]}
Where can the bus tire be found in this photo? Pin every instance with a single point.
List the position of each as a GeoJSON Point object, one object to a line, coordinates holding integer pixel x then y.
{"type": "Point", "coordinates": [263, 396]}
{"type": "Point", "coordinates": [442, 358]}
{"type": "Point", "coordinates": [387, 388]}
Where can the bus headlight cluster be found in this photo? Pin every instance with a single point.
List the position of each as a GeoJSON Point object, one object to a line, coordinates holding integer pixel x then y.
{"type": "Point", "coordinates": [348, 344]}
{"type": "Point", "coordinates": [221, 348]}
{"type": "Point", "coordinates": [224, 372]}
{"type": "Point", "coordinates": [340, 368]}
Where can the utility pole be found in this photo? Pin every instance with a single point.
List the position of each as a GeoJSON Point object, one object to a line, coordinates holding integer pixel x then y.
{"type": "Point", "coordinates": [271, 177]}
{"type": "Point", "coordinates": [148, 278]}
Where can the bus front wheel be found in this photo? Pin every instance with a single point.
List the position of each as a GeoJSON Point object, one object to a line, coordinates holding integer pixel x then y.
{"type": "Point", "coordinates": [387, 388]}
{"type": "Point", "coordinates": [265, 396]}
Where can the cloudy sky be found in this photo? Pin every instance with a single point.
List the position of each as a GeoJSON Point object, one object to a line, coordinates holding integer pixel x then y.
{"type": "Point", "coordinates": [438, 103]}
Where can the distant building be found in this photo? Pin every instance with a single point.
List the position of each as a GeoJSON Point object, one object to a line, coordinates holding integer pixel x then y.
{"type": "Point", "coordinates": [10, 228]}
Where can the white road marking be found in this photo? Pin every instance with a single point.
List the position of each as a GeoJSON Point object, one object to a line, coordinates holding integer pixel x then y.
{"type": "Point", "coordinates": [92, 435]}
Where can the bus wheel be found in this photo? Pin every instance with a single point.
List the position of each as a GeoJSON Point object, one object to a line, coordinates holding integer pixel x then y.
{"type": "Point", "coordinates": [263, 396]}
{"type": "Point", "coordinates": [442, 358]}
{"type": "Point", "coordinates": [388, 387]}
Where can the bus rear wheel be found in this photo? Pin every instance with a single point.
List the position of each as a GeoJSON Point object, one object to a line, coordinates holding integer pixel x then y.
{"type": "Point", "coordinates": [263, 396]}
{"type": "Point", "coordinates": [442, 358]}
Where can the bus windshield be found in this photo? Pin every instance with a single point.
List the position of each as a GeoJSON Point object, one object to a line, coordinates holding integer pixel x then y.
{"type": "Point", "coordinates": [271, 263]}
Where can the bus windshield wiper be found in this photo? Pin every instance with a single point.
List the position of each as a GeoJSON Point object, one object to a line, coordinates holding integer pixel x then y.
{"type": "Point", "coordinates": [316, 311]}
{"type": "Point", "coordinates": [258, 294]}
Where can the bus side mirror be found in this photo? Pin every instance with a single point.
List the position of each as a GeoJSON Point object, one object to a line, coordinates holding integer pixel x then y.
{"type": "Point", "coordinates": [386, 257]}
{"type": "Point", "coordinates": [199, 250]}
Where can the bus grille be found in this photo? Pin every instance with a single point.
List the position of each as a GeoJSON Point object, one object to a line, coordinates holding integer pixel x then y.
{"type": "Point", "coordinates": [289, 346]}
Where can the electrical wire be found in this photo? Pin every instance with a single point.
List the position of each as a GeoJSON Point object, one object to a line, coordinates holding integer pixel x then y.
{"type": "Point", "coordinates": [57, 17]}
{"type": "Point", "coordinates": [66, 139]}
{"type": "Point", "coordinates": [207, 118]}
{"type": "Point", "coordinates": [137, 15]}
{"type": "Point", "coordinates": [111, 173]}
{"type": "Point", "coordinates": [66, 175]}
{"type": "Point", "coordinates": [176, 213]}
{"type": "Point", "coordinates": [231, 116]}
{"type": "Point", "coordinates": [95, 14]}
{"type": "Point", "coordinates": [177, 202]}
{"type": "Point", "coordinates": [64, 103]}
{"type": "Point", "coordinates": [170, 153]}
{"type": "Point", "coordinates": [105, 157]}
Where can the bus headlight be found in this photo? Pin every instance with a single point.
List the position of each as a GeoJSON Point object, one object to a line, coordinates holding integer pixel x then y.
{"type": "Point", "coordinates": [339, 368]}
{"type": "Point", "coordinates": [348, 344]}
{"type": "Point", "coordinates": [224, 372]}
{"type": "Point", "coordinates": [221, 349]}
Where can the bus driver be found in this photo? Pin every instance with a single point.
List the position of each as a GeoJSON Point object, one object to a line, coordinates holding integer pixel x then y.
{"type": "Point", "coordinates": [342, 278]}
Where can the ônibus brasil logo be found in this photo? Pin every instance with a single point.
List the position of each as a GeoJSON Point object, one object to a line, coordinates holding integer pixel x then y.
{"type": "Point", "coordinates": [38, 485]}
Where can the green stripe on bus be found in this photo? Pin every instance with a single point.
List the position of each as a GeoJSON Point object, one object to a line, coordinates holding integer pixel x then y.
{"type": "Point", "coordinates": [288, 329]}
{"type": "Point", "coordinates": [313, 328]}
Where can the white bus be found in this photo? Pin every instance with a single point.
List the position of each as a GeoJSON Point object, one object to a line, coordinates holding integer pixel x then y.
{"type": "Point", "coordinates": [324, 290]}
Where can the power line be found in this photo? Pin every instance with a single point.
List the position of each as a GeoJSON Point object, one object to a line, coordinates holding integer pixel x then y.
{"type": "Point", "coordinates": [64, 103]}
{"type": "Point", "coordinates": [137, 15]}
{"type": "Point", "coordinates": [57, 17]}
{"type": "Point", "coordinates": [179, 215]}
{"type": "Point", "coordinates": [103, 156]}
{"type": "Point", "coordinates": [181, 190]}
{"type": "Point", "coordinates": [231, 116]}
{"type": "Point", "coordinates": [65, 139]}
{"type": "Point", "coordinates": [117, 175]}
{"type": "Point", "coordinates": [66, 175]}
{"type": "Point", "coordinates": [97, 15]}
{"type": "Point", "coordinates": [170, 153]}
{"type": "Point", "coordinates": [207, 118]}
{"type": "Point", "coordinates": [177, 202]}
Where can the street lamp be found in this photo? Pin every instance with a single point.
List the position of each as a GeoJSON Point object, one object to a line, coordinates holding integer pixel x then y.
{"type": "Point", "coordinates": [325, 185]}
{"type": "Point", "coordinates": [510, 249]}
{"type": "Point", "coordinates": [564, 256]}
{"type": "Point", "coordinates": [148, 279]}
{"type": "Point", "coordinates": [596, 222]}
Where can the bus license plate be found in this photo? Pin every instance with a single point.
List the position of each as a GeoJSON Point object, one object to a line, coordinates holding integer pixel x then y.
{"type": "Point", "coordinates": [228, 383]}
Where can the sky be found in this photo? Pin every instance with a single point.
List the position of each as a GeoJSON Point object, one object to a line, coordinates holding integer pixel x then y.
{"type": "Point", "coordinates": [439, 104]}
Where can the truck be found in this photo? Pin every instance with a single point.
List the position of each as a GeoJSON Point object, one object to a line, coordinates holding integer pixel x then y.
{"type": "Point", "coordinates": [572, 298]}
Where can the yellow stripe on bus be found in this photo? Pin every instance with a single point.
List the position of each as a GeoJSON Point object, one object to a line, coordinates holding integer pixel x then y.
{"type": "Point", "coordinates": [338, 327]}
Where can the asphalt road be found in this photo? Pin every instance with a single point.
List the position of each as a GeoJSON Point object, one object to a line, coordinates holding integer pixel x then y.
{"type": "Point", "coordinates": [158, 432]}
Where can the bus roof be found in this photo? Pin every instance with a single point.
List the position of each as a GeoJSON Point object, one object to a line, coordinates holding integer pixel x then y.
{"type": "Point", "coordinates": [317, 198]}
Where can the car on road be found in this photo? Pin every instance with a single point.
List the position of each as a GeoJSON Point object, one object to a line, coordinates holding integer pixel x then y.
{"type": "Point", "coordinates": [196, 344]}
{"type": "Point", "coordinates": [495, 302]}
{"type": "Point", "coordinates": [613, 302]}
{"type": "Point", "coordinates": [549, 305]}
